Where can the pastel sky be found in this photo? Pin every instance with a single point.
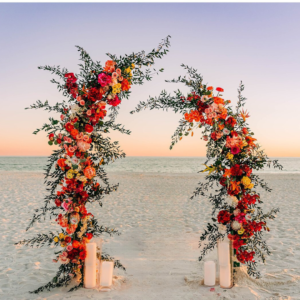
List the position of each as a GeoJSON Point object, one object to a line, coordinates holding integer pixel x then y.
{"type": "Point", "coordinates": [227, 43]}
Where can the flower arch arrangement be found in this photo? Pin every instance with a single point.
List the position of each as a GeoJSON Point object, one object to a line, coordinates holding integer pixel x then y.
{"type": "Point", "coordinates": [234, 153]}
{"type": "Point", "coordinates": [73, 169]}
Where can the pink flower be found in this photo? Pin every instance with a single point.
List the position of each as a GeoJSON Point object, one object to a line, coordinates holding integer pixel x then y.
{"type": "Point", "coordinates": [240, 218]}
{"type": "Point", "coordinates": [65, 254]}
{"type": "Point", "coordinates": [71, 149]}
{"type": "Point", "coordinates": [89, 112]}
{"type": "Point", "coordinates": [60, 136]}
{"type": "Point", "coordinates": [235, 150]}
{"type": "Point", "coordinates": [118, 71]}
{"type": "Point", "coordinates": [79, 98]}
{"type": "Point", "coordinates": [114, 75]}
{"type": "Point", "coordinates": [69, 248]}
{"type": "Point", "coordinates": [120, 78]}
{"type": "Point", "coordinates": [66, 204]}
{"type": "Point", "coordinates": [231, 142]}
{"type": "Point", "coordinates": [82, 102]}
{"type": "Point", "coordinates": [83, 146]}
{"type": "Point", "coordinates": [104, 79]}
{"type": "Point", "coordinates": [204, 98]}
{"type": "Point", "coordinates": [65, 138]}
{"type": "Point", "coordinates": [205, 137]}
{"type": "Point", "coordinates": [65, 146]}
{"type": "Point", "coordinates": [219, 134]}
{"type": "Point", "coordinates": [86, 138]}
{"type": "Point", "coordinates": [62, 117]}
{"type": "Point", "coordinates": [79, 136]}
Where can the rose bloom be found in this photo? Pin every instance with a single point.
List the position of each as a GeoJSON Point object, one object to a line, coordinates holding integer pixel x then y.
{"type": "Point", "coordinates": [204, 98]}
{"type": "Point", "coordinates": [89, 112]}
{"type": "Point", "coordinates": [88, 128]}
{"type": "Point", "coordinates": [121, 78]}
{"type": "Point", "coordinates": [79, 136]}
{"type": "Point", "coordinates": [78, 98]}
{"type": "Point", "coordinates": [104, 79]}
{"type": "Point", "coordinates": [85, 138]}
{"type": "Point", "coordinates": [205, 138]}
{"type": "Point", "coordinates": [62, 117]}
{"type": "Point", "coordinates": [83, 146]}
{"type": "Point", "coordinates": [69, 248]}
{"type": "Point", "coordinates": [82, 102]}
{"type": "Point", "coordinates": [114, 75]}
{"type": "Point", "coordinates": [235, 150]}
{"type": "Point", "coordinates": [89, 172]}
{"type": "Point", "coordinates": [224, 217]}
{"type": "Point", "coordinates": [245, 130]}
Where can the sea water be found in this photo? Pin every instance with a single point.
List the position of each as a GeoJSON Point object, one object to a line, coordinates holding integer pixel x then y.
{"type": "Point", "coordinates": [140, 164]}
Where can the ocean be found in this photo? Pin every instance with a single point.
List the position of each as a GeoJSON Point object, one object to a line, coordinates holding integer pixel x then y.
{"type": "Point", "coordinates": [139, 164]}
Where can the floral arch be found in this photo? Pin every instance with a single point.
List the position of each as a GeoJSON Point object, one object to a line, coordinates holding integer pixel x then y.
{"type": "Point", "coordinates": [233, 153]}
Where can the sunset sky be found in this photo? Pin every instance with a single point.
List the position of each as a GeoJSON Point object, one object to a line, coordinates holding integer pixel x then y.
{"type": "Point", "coordinates": [256, 43]}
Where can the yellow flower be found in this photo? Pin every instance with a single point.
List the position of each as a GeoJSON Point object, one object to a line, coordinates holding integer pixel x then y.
{"type": "Point", "coordinates": [117, 86]}
{"type": "Point", "coordinates": [77, 209]}
{"type": "Point", "coordinates": [63, 244]}
{"type": "Point", "coordinates": [246, 181]}
{"type": "Point", "coordinates": [229, 156]}
{"type": "Point", "coordinates": [70, 174]}
{"type": "Point", "coordinates": [55, 239]}
{"type": "Point", "coordinates": [241, 231]}
{"type": "Point", "coordinates": [132, 66]}
{"type": "Point", "coordinates": [128, 70]}
{"type": "Point", "coordinates": [61, 236]}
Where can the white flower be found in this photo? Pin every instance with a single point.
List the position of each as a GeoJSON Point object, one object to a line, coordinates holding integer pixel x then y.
{"type": "Point", "coordinates": [248, 217]}
{"type": "Point", "coordinates": [75, 108]}
{"type": "Point", "coordinates": [232, 201]}
{"type": "Point", "coordinates": [226, 131]}
{"type": "Point", "coordinates": [222, 228]}
{"type": "Point", "coordinates": [235, 225]}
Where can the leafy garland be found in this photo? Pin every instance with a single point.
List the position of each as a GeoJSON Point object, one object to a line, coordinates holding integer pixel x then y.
{"type": "Point", "coordinates": [234, 154]}
{"type": "Point", "coordinates": [72, 170]}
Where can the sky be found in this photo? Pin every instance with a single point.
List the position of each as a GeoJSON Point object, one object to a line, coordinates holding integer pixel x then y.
{"type": "Point", "coordinates": [256, 43]}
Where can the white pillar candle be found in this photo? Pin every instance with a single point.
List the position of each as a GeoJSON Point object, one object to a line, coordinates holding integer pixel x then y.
{"type": "Point", "coordinates": [107, 268]}
{"type": "Point", "coordinates": [224, 253]}
{"type": "Point", "coordinates": [90, 266]}
{"type": "Point", "coordinates": [209, 273]}
{"type": "Point", "coordinates": [225, 277]}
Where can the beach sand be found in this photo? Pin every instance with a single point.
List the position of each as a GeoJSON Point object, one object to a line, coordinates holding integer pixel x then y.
{"type": "Point", "coordinates": [160, 229]}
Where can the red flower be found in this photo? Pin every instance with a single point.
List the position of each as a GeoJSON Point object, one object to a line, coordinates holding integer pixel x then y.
{"type": "Point", "coordinates": [210, 88]}
{"type": "Point", "coordinates": [245, 130]}
{"type": "Point", "coordinates": [247, 170]}
{"type": "Point", "coordinates": [67, 239]}
{"type": "Point", "coordinates": [70, 77]}
{"type": "Point", "coordinates": [114, 102]}
{"type": "Point", "coordinates": [89, 235]}
{"type": "Point", "coordinates": [219, 89]}
{"type": "Point", "coordinates": [224, 217]}
{"type": "Point", "coordinates": [88, 128]}
{"type": "Point", "coordinates": [236, 170]}
{"type": "Point", "coordinates": [238, 243]}
{"type": "Point", "coordinates": [230, 121]}
{"type": "Point", "coordinates": [58, 141]}
{"type": "Point", "coordinates": [214, 136]}
{"type": "Point", "coordinates": [51, 136]}
{"type": "Point", "coordinates": [57, 202]}
{"type": "Point", "coordinates": [69, 127]}
{"type": "Point", "coordinates": [94, 94]}
{"type": "Point", "coordinates": [223, 181]}
{"type": "Point", "coordinates": [82, 255]}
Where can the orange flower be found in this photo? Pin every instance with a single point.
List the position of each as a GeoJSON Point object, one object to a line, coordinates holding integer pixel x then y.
{"type": "Point", "coordinates": [61, 163]}
{"type": "Point", "coordinates": [210, 88]}
{"type": "Point", "coordinates": [125, 85]}
{"type": "Point", "coordinates": [221, 126]}
{"type": "Point", "coordinates": [219, 100]}
{"type": "Point", "coordinates": [244, 114]}
{"type": "Point", "coordinates": [109, 66]}
{"type": "Point", "coordinates": [75, 244]}
{"type": "Point", "coordinates": [74, 132]}
{"type": "Point", "coordinates": [89, 172]}
{"type": "Point", "coordinates": [227, 172]}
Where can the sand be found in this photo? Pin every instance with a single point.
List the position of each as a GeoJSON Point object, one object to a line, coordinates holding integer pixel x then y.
{"type": "Point", "coordinates": [160, 230]}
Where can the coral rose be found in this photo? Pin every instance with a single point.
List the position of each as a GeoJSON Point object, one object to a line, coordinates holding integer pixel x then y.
{"type": "Point", "coordinates": [89, 172]}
